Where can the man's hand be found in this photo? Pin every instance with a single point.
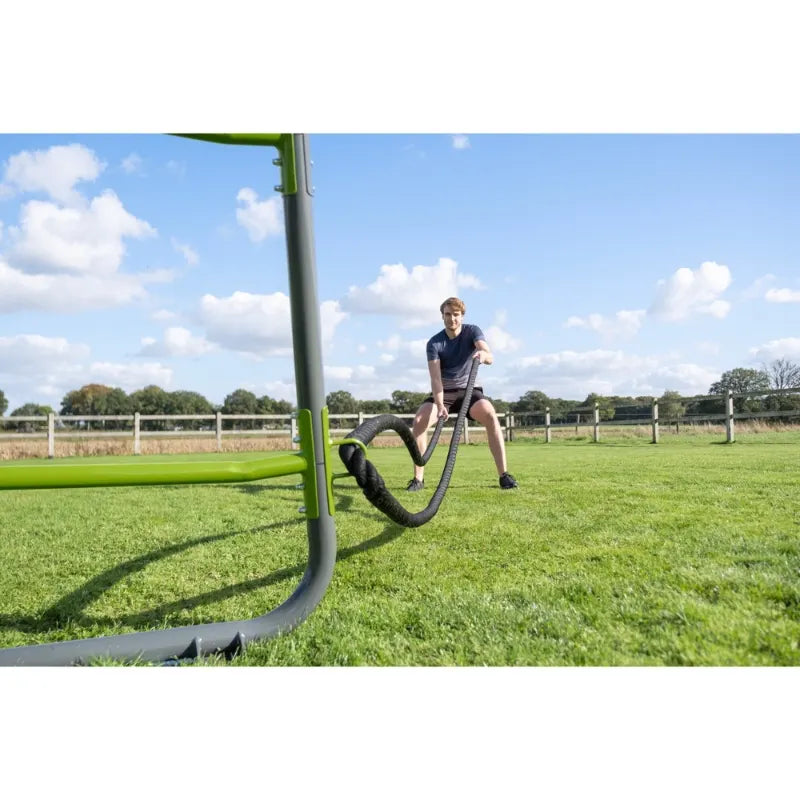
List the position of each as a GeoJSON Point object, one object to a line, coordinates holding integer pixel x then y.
{"type": "Point", "coordinates": [443, 414]}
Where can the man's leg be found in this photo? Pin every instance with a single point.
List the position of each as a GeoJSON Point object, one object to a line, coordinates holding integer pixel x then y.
{"type": "Point", "coordinates": [422, 421]}
{"type": "Point", "coordinates": [484, 413]}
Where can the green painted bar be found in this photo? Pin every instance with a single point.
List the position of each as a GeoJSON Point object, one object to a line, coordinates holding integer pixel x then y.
{"type": "Point", "coordinates": [155, 473]}
{"type": "Point", "coordinates": [269, 139]}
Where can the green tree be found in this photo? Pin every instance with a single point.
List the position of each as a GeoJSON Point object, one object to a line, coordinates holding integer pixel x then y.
{"type": "Point", "coordinates": [241, 401]}
{"type": "Point", "coordinates": [183, 402]}
{"type": "Point", "coordinates": [96, 398]}
{"type": "Point", "coordinates": [31, 410]}
{"type": "Point", "coordinates": [403, 402]}
{"type": "Point", "coordinates": [341, 402]}
{"type": "Point", "coordinates": [671, 406]}
{"type": "Point", "coordinates": [744, 381]}
{"type": "Point", "coordinates": [375, 406]}
{"type": "Point", "coordinates": [3, 403]}
{"type": "Point", "coordinates": [151, 399]}
{"type": "Point", "coordinates": [606, 406]}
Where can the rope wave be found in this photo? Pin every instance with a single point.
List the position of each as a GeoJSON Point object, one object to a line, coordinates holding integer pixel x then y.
{"type": "Point", "coordinates": [370, 480]}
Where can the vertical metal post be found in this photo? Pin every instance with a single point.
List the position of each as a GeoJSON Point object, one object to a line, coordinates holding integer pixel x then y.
{"type": "Point", "coordinates": [547, 432]}
{"type": "Point", "coordinates": [655, 420]}
{"type": "Point", "coordinates": [307, 346]}
{"type": "Point", "coordinates": [729, 417]}
{"type": "Point", "coordinates": [597, 422]}
{"type": "Point", "coordinates": [51, 435]}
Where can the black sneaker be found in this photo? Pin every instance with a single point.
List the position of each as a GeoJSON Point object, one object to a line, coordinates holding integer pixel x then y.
{"type": "Point", "coordinates": [507, 481]}
{"type": "Point", "coordinates": [414, 485]}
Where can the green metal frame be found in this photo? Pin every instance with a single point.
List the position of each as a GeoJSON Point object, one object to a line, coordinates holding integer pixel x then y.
{"type": "Point", "coordinates": [313, 461]}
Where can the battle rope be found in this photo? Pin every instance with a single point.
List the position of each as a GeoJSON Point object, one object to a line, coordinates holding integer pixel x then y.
{"type": "Point", "coordinates": [368, 478]}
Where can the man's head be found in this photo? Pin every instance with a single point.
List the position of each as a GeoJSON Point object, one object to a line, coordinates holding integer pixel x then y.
{"type": "Point", "coordinates": [452, 311]}
{"type": "Point", "coordinates": [455, 304]}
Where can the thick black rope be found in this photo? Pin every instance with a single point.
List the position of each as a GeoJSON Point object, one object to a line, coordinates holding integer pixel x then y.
{"type": "Point", "coordinates": [368, 478]}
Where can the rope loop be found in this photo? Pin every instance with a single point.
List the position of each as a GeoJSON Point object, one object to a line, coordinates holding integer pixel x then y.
{"type": "Point", "coordinates": [369, 479]}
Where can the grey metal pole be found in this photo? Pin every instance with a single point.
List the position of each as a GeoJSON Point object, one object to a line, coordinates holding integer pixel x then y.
{"type": "Point", "coordinates": [307, 346]}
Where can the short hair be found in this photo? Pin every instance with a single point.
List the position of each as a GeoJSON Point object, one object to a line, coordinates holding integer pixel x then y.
{"type": "Point", "coordinates": [456, 303]}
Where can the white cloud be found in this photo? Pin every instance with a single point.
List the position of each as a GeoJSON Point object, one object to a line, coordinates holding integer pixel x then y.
{"type": "Point", "coordinates": [415, 295]}
{"type": "Point", "coordinates": [573, 375]}
{"type": "Point", "coordinates": [185, 250]}
{"type": "Point", "coordinates": [624, 324]}
{"type": "Point", "coordinates": [788, 348]}
{"type": "Point", "coordinates": [259, 324]}
{"type": "Point", "coordinates": [70, 293]}
{"type": "Point", "coordinates": [259, 218]}
{"type": "Point", "coordinates": [177, 342]}
{"type": "Point", "coordinates": [89, 240]}
{"type": "Point", "coordinates": [460, 142]}
{"type": "Point", "coordinates": [163, 315]}
{"type": "Point", "coordinates": [34, 367]}
{"type": "Point", "coordinates": [782, 296]}
{"type": "Point", "coordinates": [132, 164]}
{"type": "Point", "coordinates": [689, 292]}
{"type": "Point", "coordinates": [129, 377]}
{"type": "Point", "coordinates": [500, 340]}
{"type": "Point", "coordinates": [54, 172]}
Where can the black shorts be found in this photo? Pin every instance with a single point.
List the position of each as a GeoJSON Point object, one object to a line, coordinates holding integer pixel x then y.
{"type": "Point", "coordinates": [453, 398]}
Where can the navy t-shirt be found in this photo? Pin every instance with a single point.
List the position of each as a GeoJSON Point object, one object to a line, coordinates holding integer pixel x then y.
{"type": "Point", "coordinates": [455, 354]}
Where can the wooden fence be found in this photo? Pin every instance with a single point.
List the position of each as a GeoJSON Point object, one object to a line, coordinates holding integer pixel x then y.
{"type": "Point", "coordinates": [56, 426]}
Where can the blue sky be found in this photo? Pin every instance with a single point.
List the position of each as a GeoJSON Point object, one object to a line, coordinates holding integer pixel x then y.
{"type": "Point", "coordinates": [624, 264]}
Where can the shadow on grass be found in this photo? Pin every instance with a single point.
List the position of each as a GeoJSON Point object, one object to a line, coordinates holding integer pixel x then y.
{"type": "Point", "coordinates": [68, 609]}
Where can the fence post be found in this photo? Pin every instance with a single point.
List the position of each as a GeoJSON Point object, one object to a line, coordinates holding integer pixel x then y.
{"type": "Point", "coordinates": [466, 430]}
{"type": "Point", "coordinates": [218, 427]}
{"type": "Point", "coordinates": [293, 431]}
{"type": "Point", "coordinates": [547, 425]}
{"type": "Point", "coordinates": [360, 417]}
{"type": "Point", "coordinates": [51, 435]}
{"type": "Point", "coordinates": [597, 422]}
{"type": "Point", "coordinates": [511, 423]}
{"type": "Point", "coordinates": [137, 442]}
{"type": "Point", "coordinates": [655, 420]}
{"type": "Point", "coordinates": [729, 416]}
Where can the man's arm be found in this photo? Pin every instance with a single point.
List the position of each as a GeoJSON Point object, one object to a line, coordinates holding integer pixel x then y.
{"type": "Point", "coordinates": [482, 352]}
{"type": "Point", "coordinates": [437, 388]}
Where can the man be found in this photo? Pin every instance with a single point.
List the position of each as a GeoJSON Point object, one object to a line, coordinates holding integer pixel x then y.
{"type": "Point", "coordinates": [450, 353]}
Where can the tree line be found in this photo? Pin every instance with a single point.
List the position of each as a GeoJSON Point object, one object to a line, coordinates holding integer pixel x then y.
{"type": "Point", "coordinates": [98, 399]}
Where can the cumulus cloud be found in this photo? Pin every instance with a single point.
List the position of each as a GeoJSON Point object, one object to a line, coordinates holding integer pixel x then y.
{"type": "Point", "coordinates": [89, 241]}
{"type": "Point", "coordinates": [177, 342]}
{"type": "Point", "coordinates": [460, 142]}
{"type": "Point", "coordinates": [757, 288]}
{"type": "Point", "coordinates": [65, 253]}
{"type": "Point", "coordinates": [260, 218]}
{"type": "Point", "coordinates": [624, 324]}
{"type": "Point", "coordinates": [259, 324]}
{"type": "Point", "coordinates": [788, 348]}
{"type": "Point", "coordinates": [414, 295]}
{"type": "Point", "coordinates": [189, 254]}
{"type": "Point", "coordinates": [782, 296]}
{"type": "Point", "coordinates": [687, 292]}
{"type": "Point", "coordinates": [53, 172]}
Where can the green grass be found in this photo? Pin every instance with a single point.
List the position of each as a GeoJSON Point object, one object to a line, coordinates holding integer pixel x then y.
{"type": "Point", "coordinates": [616, 553]}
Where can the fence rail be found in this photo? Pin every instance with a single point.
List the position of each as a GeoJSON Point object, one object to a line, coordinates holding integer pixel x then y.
{"type": "Point", "coordinates": [69, 428]}
{"type": "Point", "coordinates": [56, 427]}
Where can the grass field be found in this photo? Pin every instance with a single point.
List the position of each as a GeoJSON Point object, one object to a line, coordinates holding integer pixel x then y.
{"type": "Point", "coordinates": [616, 553]}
